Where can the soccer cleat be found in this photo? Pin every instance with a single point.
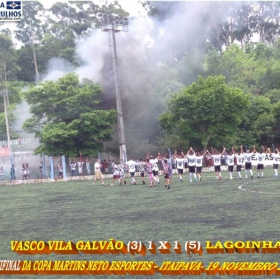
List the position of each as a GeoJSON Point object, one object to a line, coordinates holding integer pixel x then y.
{"type": "Point", "coordinates": [276, 176]}
{"type": "Point", "coordinates": [220, 178]}
{"type": "Point", "coordinates": [258, 176]}
{"type": "Point", "coordinates": [169, 187]}
{"type": "Point", "coordinates": [134, 183]}
{"type": "Point", "coordinates": [166, 186]}
{"type": "Point", "coordinates": [181, 180]}
{"type": "Point", "coordinates": [102, 183]}
{"type": "Point", "coordinates": [190, 181]}
{"type": "Point", "coordinates": [111, 185]}
{"type": "Point", "coordinates": [93, 184]}
{"type": "Point", "coordinates": [124, 182]}
{"type": "Point", "coordinates": [252, 177]}
{"type": "Point", "coordinates": [200, 178]}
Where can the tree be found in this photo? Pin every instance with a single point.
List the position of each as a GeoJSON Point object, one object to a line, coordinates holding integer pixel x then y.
{"type": "Point", "coordinates": [66, 117]}
{"type": "Point", "coordinates": [257, 122]}
{"type": "Point", "coordinates": [207, 111]}
{"type": "Point", "coordinates": [8, 72]}
{"type": "Point", "coordinates": [265, 20]}
{"type": "Point", "coordinates": [31, 28]}
{"type": "Point", "coordinates": [8, 67]}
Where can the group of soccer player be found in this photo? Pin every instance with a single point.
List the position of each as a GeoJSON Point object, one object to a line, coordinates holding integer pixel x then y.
{"type": "Point", "coordinates": [194, 161]}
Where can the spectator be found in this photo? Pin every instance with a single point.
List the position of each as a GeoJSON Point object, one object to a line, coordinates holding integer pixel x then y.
{"type": "Point", "coordinates": [1, 174]}
{"type": "Point", "coordinates": [41, 169]}
{"type": "Point", "coordinates": [103, 166]}
{"type": "Point", "coordinates": [88, 166]}
{"type": "Point", "coordinates": [106, 165]}
{"type": "Point", "coordinates": [73, 168]}
{"type": "Point", "coordinates": [13, 173]}
{"type": "Point", "coordinates": [60, 170]}
{"type": "Point", "coordinates": [27, 168]}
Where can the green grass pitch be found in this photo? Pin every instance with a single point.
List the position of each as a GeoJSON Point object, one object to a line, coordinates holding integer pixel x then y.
{"type": "Point", "coordinates": [238, 209]}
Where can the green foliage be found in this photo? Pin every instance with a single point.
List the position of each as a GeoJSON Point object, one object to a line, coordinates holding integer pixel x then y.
{"type": "Point", "coordinates": [206, 111]}
{"type": "Point", "coordinates": [66, 118]}
{"type": "Point", "coordinates": [8, 66]}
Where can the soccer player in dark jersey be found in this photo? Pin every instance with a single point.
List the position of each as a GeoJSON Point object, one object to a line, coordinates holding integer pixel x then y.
{"type": "Point", "coordinates": [141, 166]}
{"type": "Point", "coordinates": [166, 169]}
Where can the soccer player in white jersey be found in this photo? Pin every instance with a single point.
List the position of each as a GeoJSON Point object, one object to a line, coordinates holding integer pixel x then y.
{"type": "Point", "coordinates": [98, 173]}
{"type": "Point", "coordinates": [198, 164]}
{"type": "Point", "coordinates": [116, 174]}
{"type": "Point", "coordinates": [239, 161]}
{"type": "Point", "coordinates": [149, 168]}
{"type": "Point", "coordinates": [276, 160]}
{"type": "Point", "coordinates": [261, 158]}
{"type": "Point", "coordinates": [248, 163]}
{"type": "Point", "coordinates": [180, 164]}
{"type": "Point", "coordinates": [122, 174]}
{"type": "Point", "coordinates": [154, 162]}
{"type": "Point", "coordinates": [217, 162]}
{"type": "Point", "coordinates": [230, 163]}
{"type": "Point", "coordinates": [131, 164]}
{"type": "Point", "coordinates": [191, 163]}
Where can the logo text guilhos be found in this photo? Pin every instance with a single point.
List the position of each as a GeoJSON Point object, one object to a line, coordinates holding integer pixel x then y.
{"type": "Point", "coordinates": [10, 10]}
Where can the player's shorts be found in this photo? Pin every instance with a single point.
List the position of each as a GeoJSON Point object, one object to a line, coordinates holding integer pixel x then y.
{"type": "Point", "coordinates": [275, 166]}
{"type": "Point", "coordinates": [192, 169]}
{"type": "Point", "coordinates": [150, 176]}
{"type": "Point", "coordinates": [180, 171]}
{"type": "Point", "coordinates": [217, 168]}
{"type": "Point", "coordinates": [132, 174]}
{"type": "Point", "coordinates": [248, 165]}
{"type": "Point", "coordinates": [260, 166]}
{"type": "Point", "coordinates": [116, 176]}
{"type": "Point", "coordinates": [155, 173]}
{"type": "Point", "coordinates": [98, 175]}
{"type": "Point", "coordinates": [238, 168]}
{"type": "Point", "coordinates": [142, 174]}
{"type": "Point", "coordinates": [198, 169]}
{"type": "Point", "coordinates": [166, 176]}
{"type": "Point", "coordinates": [230, 168]}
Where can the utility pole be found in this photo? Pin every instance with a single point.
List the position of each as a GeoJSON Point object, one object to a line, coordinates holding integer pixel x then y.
{"type": "Point", "coordinates": [4, 93]}
{"type": "Point", "coordinates": [113, 24]}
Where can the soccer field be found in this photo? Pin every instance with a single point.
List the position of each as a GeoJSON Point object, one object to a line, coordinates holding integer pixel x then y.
{"type": "Point", "coordinates": [210, 210]}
